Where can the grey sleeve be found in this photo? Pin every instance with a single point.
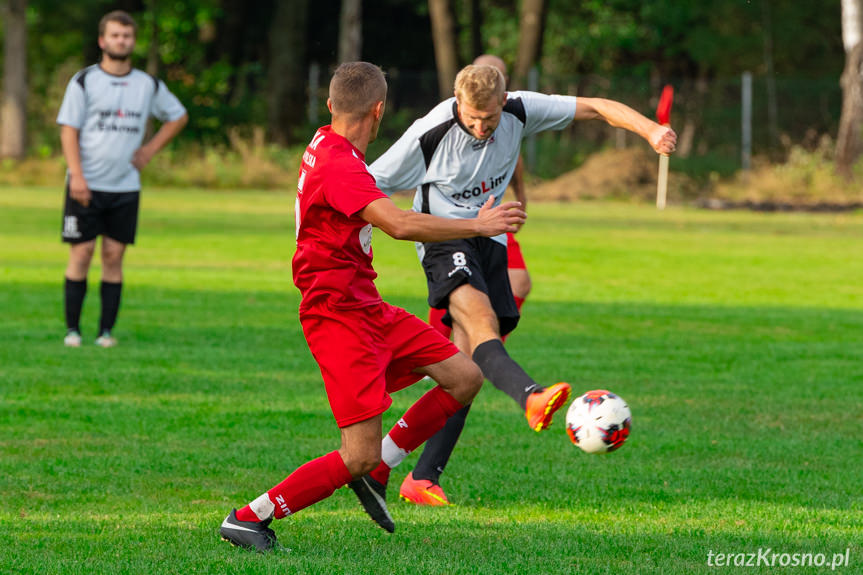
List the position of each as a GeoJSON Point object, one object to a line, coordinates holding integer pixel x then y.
{"type": "Point", "coordinates": [402, 167]}
{"type": "Point", "coordinates": [73, 109]}
{"type": "Point", "coordinates": [547, 112]}
{"type": "Point", "coordinates": [166, 107]}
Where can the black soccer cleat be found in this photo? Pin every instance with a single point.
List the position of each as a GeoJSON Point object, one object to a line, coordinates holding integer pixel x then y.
{"type": "Point", "coordinates": [248, 534]}
{"type": "Point", "coordinates": [373, 498]}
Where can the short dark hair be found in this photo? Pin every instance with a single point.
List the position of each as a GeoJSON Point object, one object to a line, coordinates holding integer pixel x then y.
{"type": "Point", "coordinates": [356, 87]}
{"type": "Point", "coordinates": [120, 17]}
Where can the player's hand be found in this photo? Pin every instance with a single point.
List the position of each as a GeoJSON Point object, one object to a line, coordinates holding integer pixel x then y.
{"type": "Point", "coordinates": [663, 139]}
{"type": "Point", "coordinates": [141, 158]}
{"type": "Point", "coordinates": [79, 191]}
{"type": "Point", "coordinates": [507, 217]}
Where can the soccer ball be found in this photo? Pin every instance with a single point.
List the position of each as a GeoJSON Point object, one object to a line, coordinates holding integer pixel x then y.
{"type": "Point", "coordinates": [598, 421]}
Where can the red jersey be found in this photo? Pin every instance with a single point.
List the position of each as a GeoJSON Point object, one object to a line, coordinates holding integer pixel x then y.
{"type": "Point", "coordinates": [333, 261]}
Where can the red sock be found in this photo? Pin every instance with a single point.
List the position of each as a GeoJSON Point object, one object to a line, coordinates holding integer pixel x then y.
{"type": "Point", "coordinates": [424, 418]}
{"type": "Point", "coordinates": [435, 317]}
{"type": "Point", "coordinates": [310, 483]}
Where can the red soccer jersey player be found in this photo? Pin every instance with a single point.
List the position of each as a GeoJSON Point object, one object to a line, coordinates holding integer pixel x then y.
{"type": "Point", "coordinates": [358, 340]}
{"type": "Point", "coordinates": [365, 347]}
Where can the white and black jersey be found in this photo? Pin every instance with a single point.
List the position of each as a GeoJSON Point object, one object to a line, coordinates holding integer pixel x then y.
{"type": "Point", "coordinates": [111, 112]}
{"type": "Point", "coordinates": [453, 172]}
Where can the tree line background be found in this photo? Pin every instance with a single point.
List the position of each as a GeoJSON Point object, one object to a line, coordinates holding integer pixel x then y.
{"type": "Point", "coordinates": [258, 70]}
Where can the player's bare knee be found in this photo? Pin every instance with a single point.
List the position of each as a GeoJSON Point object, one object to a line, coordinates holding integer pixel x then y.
{"type": "Point", "coordinates": [82, 253]}
{"type": "Point", "coordinates": [473, 379]}
{"type": "Point", "coordinates": [79, 260]}
{"type": "Point", "coordinates": [465, 382]}
{"type": "Point", "coordinates": [112, 257]}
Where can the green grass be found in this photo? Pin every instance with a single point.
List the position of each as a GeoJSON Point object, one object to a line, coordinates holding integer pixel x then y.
{"type": "Point", "coordinates": [736, 338]}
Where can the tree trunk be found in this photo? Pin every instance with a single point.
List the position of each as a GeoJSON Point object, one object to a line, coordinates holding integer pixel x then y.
{"type": "Point", "coordinates": [153, 51]}
{"type": "Point", "coordinates": [287, 74]}
{"type": "Point", "coordinates": [443, 37]}
{"type": "Point", "coordinates": [692, 102]}
{"type": "Point", "coordinates": [529, 40]}
{"type": "Point", "coordinates": [848, 144]}
{"type": "Point", "coordinates": [772, 105]}
{"type": "Point", "coordinates": [13, 115]}
{"type": "Point", "coordinates": [232, 45]}
{"type": "Point", "coordinates": [351, 31]}
{"type": "Point", "coordinates": [476, 43]}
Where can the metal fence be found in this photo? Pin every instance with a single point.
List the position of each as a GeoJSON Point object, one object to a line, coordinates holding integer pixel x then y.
{"type": "Point", "coordinates": [707, 114]}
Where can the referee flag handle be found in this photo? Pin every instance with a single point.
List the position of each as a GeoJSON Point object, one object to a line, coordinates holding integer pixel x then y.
{"type": "Point", "coordinates": [663, 116]}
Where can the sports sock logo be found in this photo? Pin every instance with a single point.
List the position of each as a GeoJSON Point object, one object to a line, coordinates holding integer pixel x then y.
{"type": "Point", "coordinates": [280, 501]}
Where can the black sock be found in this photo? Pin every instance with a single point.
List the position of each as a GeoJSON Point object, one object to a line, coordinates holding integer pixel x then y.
{"type": "Point", "coordinates": [503, 372]}
{"type": "Point", "coordinates": [439, 447]}
{"type": "Point", "coordinates": [75, 292]}
{"type": "Point", "coordinates": [110, 305]}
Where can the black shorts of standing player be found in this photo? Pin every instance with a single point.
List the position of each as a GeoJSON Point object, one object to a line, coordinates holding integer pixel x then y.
{"type": "Point", "coordinates": [481, 262]}
{"type": "Point", "coordinates": [111, 214]}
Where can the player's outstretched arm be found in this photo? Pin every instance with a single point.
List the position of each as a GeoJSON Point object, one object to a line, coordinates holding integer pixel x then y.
{"type": "Point", "coordinates": [409, 225]}
{"type": "Point", "coordinates": [661, 138]}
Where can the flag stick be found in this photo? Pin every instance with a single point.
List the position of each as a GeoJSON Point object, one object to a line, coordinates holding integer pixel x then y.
{"type": "Point", "coordinates": [662, 182]}
{"type": "Point", "coordinates": [663, 116]}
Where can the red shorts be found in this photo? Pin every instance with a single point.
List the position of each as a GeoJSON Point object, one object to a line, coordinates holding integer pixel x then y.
{"type": "Point", "coordinates": [365, 354]}
{"type": "Point", "coordinates": [514, 259]}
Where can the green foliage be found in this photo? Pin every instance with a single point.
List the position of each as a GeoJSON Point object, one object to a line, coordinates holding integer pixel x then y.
{"type": "Point", "coordinates": [735, 338]}
{"type": "Point", "coordinates": [685, 38]}
{"type": "Point", "coordinates": [214, 55]}
{"type": "Point", "coordinates": [500, 31]}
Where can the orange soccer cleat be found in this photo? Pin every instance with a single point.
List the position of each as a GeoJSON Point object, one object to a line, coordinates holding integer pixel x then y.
{"type": "Point", "coordinates": [541, 405]}
{"type": "Point", "coordinates": [422, 492]}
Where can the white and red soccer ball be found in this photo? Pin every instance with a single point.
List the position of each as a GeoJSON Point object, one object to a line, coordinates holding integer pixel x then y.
{"type": "Point", "coordinates": [598, 421]}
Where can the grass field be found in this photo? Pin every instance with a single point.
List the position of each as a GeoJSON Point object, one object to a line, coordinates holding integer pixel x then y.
{"type": "Point", "coordinates": [737, 339]}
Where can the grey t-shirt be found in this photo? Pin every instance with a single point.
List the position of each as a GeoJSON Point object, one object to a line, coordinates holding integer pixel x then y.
{"type": "Point", "coordinates": [111, 112]}
{"type": "Point", "coordinates": [453, 172]}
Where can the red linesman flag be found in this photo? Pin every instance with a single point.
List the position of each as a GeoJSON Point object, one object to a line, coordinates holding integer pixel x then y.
{"type": "Point", "coordinates": [663, 110]}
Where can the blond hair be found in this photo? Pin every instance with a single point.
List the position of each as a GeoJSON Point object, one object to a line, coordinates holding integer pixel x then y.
{"type": "Point", "coordinates": [356, 87]}
{"type": "Point", "coordinates": [478, 85]}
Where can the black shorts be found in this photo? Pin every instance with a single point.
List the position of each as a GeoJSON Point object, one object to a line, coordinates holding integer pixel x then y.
{"type": "Point", "coordinates": [111, 214]}
{"type": "Point", "coordinates": [480, 262]}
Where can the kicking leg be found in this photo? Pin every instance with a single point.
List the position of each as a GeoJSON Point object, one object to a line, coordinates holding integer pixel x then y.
{"type": "Point", "coordinates": [473, 313]}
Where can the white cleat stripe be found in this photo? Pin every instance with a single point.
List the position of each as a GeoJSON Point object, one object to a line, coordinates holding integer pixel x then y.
{"type": "Point", "coordinates": [381, 501]}
{"type": "Point", "coordinates": [227, 525]}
